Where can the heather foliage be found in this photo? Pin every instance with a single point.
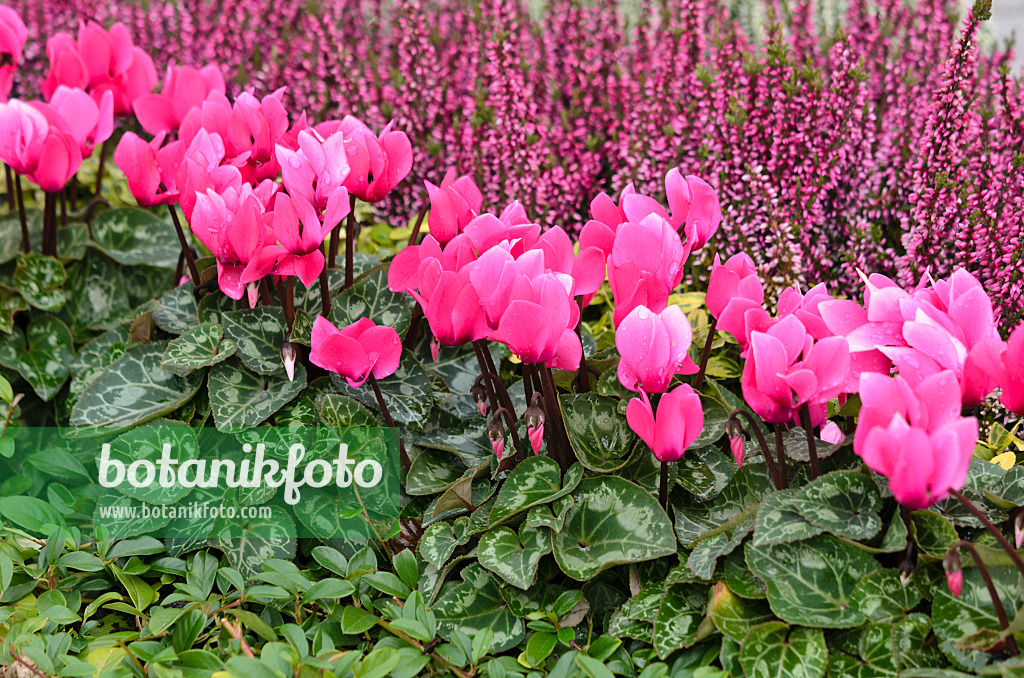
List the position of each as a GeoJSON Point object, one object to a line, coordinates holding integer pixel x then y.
{"type": "Point", "coordinates": [888, 142]}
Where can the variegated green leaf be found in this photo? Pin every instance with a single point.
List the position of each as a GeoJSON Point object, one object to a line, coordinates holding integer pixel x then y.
{"type": "Point", "coordinates": [259, 334]}
{"type": "Point", "coordinates": [600, 436]}
{"type": "Point", "coordinates": [536, 480]}
{"type": "Point", "coordinates": [774, 650]}
{"type": "Point", "coordinates": [778, 522]}
{"type": "Point", "coordinates": [241, 399]}
{"type": "Point", "coordinates": [843, 503]}
{"type": "Point", "coordinates": [41, 355]}
{"type": "Point", "coordinates": [132, 390]}
{"type": "Point", "coordinates": [370, 298]}
{"type": "Point", "coordinates": [407, 393]}
{"type": "Point", "coordinates": [130, 236]}
{"type": "Point", "coordinates": [514, 557]}
{"type": "Point", "coordinates": [38, 279]}
{"type": "Point", "coordinates": [474, 605]}
{"type": "Point", "coordinates": [177, 312]}
{"type": "Point", "coordinates": [679, 616]}
{"type": "Point", "coordinates": [251, 542]}
{"type": "Point", "coordinates": [96, 295]}
{"type": "Point", "coordinates": [200, 346]}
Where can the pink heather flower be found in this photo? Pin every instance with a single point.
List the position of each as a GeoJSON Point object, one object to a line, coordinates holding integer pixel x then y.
{"type": "Point", "coordinates": [915, 436]}
{"type": "Point", "coordinates": [114, 64]}
{"type": "Point", "coordinates": [645, 266]}
{"type": "Point", "coordinates": [734, 289]}
{"type": "Point", "coordinates": [149, 167]}
{"type": "Point", "coordinates": [184, 88]}
{"type": "Point", "coordinates": [13, 34]}
{"type": "Point", "coordinates": [357, 351]}
{"type": "Point", "coordinates": [453, 204]}
{"type": "Point", "coordinates": [679, 421]}
{"type": "Point", "coordinates": [776, 383]}
{"type": "Point", "coordinates": [538, 323]}
{"type": "Point", "coordinates": [235, 227]}
{"type": "Point", "coordinates": [88, 123]}
{"type": "Point", "coordinates": [301, 233]}
{"type": "Point", "coordinates": [1011, 378]}
{"type": "Point", "coordinates": [955, 581]}
{"type": "Point", "coordinates": [654, 348]}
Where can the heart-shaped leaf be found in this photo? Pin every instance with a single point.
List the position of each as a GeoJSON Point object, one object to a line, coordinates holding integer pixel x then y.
{"type": "Point", "coordinates": [679, 616]}
{"type": "Point", "coordinates": [343, 412]}
{"type": "Point", "coordinates": [199, 347]}
{"type": "Point", "coordinates": [131, 236]}
{"type": "Point", "coordinates": [775, 649]}
{"type": "Point", "coordinates": [241, 399]}
{"type": "Point", "coordinates": [132, 390]}
{"type": "Point", "coordinates": [38, 278]}
{"type": "Point", "coordinates": [612, 521]}
{"type": "Point", "coordinates": [475, 605]}
{"type": "Point", "coordinates": [146, 443]}
{"type": "Point", "coordinates": [536, 480]}
{"type": "Point", "coordinates": [748, 487]}
{"type": "Point", "coordinates": [407, 393]}
{"type": "Point", "coordinates": [811, 582]}
{"type": "Point", "coordinates": [96, 295]}
{"type": "Point", "coordinates": [177, 312]}
{"type": "Point", "coordinates": [704, 471]}
{"type": "Point", "coordinates": [733, 615]}
{"type": "Point", "coordinates": [259, 334]}
{"type": "Point", "coordinates": [881, 596]}
{"type": "Point", "coordinates": [249, 543]}
{"type": "Point", "coordinates": [600, 436]}
{"type": "Point", "coordinates": [778, 522]}
{"type": "Point", "coordinates": [441, 539]}
{"type": "Point", "coordinates": [10, 303]}
{"type": "Point", "coordinates": [708, 549]}
{"type": "Point", "coordinates": [843, 503]}
{"type": "Point", "coordinates": [514, 557]}
{"type": "Point", "coordinates": [41, 355]}
{"type": "Point", "coordinates": [370, 298]}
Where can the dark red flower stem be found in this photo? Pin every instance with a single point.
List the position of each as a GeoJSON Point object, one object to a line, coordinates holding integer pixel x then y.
{"type": "Point", "coordinates": [485, 376]}
{"type": "Point", "coordinates": [1010, 551]}
{"type": "Point", "coordinates": [50, 225]}
{"type": "Point", "coordinates": [332, 248]}
{"type": "Point", "coordinates": [559, 436]}
{"type": "Point", "coordinates": [997, 604]}
{"type": "Point", "coordinates": [663, 488]}
{"type": "Point", "coordinates": [413, 333]}
{"type": "Point", "coordinates": [500, 392]}
{"type": "Point", "coordinates": [325, 293]}
{"type": "Point", "coordinates": [390, 422]}
{"type": "Point", "coordinates": [773, 469]}
{"type": "Point", "coordinates": [9, 176]}
{"type": "Point", "coordinates": [780, 451]}
{"type": "Point", "coordinates": [26, 241]}
{"type": "Point", "coordinates": [351, 231]}
{"type": "Point", "coordinates": [812, 447]}
{"type": "Point", "coordinates": [190, 257]}
{"type": "Point", "coordinates": [414, 237]}
{"type": "Point", "coordinates": [64, 206]}
{"type": "Point", "coordinates": [286, 293]}
{"type": "Point", "coordinates": [265, 292]}
{"type": "Point", "coordinates": [705, 355]}
{"type": "Point", "coordinates": [99, 172]}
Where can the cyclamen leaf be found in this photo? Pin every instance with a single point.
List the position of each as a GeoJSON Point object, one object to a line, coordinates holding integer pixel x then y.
{"type": "Point", "coordinates": [199, 347]}
{"type": "Point", "coordinates": [514, 557]}
{"type": "Point", "coordinates": [133, 390]}
{"type": "Point", "coordinates": [774, 649]}
{"type": "Point", "coordinates": [133, 236]}
{"type": "Point", "coordinates": [241, 399]}
{"type": "Point", "coordinates": [843, 503]}
{"type": "Point", "coordinates": [178, 310]}
{"type": "Point", "coordinates": [475, 605]}
{"type": "Point", "coordinates": [370, 298]}
{"type": "Point", "coordinates": [38, 279]}
{"type": "Point", "coordinates": [600, 436]}
{"type": "Point", "coordinates": [536, 480]}
{"type": "Point", "coordinates": [41, 356]}
{"type": "Point", "coordinates": [259, 334]}
{"type": "Point", "coordinates": [407, 393]}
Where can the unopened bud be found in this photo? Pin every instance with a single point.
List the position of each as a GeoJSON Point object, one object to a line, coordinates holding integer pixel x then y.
{"type": "Point", "coordinates": [954, 574]}
{"type": "Point", "coordinates": [479, 395]}
{"type": "Point", "coordinates": [288, 357]}
{"type": "Point", "coordinates": [736, 445]}
{"type": "Point", "coordinates": [253, 290]}
{"type": "Point", "coordinates": [496, 432]}
{"type": "Point", "coordinates": [435, 349]}
{"type": "Point", "coordinates": [1018, 528]}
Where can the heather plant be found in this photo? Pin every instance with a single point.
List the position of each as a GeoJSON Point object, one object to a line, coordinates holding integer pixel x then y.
{"type": "Point", "coordinates": [594, 463]}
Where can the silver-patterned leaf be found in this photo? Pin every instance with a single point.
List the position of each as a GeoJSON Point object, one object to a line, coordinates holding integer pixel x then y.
{"type": "Point", "coordinates": [131, 236]}
{"type": "Point", "coordinates": [241, 399]}
{"type": "Point", "coordinates": [41, 355]}
{"type": "Point", "coordinates": [259, 334]}
{"type": "Point", "coordinates": [200, 346]}
{"type": "Point", "coordinates": [514, 557]}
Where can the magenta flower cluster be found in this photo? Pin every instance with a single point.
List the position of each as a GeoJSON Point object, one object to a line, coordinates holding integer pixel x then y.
{"type": "Point", "coordinates": [893, 146]}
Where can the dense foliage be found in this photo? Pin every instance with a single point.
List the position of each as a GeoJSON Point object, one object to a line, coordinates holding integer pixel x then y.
{"type": "Point", "coordinates": [608, 468]}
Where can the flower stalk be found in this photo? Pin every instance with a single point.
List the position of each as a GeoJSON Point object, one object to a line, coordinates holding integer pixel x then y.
{"type": "Point", "coordinates": [995, 531]}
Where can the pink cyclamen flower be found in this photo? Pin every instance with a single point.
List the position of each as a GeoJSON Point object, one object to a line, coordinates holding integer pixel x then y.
{"type": "Point", "coordinates": [453, 204]}
{"type": "Point", "coordinates": [35, 141]}
{"type": "Point", "coordinates": [235, 227]}
{"type": "Point", "coordinates": [114, 64]}
{"type": "Point", "coordinates": [915, 436]}
{"type": "Point", "coordinates": [301, 233]}
{"type": "Point", "coordinates": [89, 123]}
{"type": "Point", "coordinates": [149, 168]}
{"type": "Point", "coordinates": [316, 172]}
{"type": "Point", "coordinates": [679, 421]}
{"type": "Point", "coordinates": [654, 348]}
{"type": "Point", "coordinates": [452, 307]}
{"type": "Point", "coordinates": [831, 433]}
{"type": "Point", "coordinates": [538, 323]}
{"type": "Point", "coordinates": [734, 289]}
{"type": "Point", "coordinates": [1011, 378]}
{"type": "Point", "coordinates": [695, 207]}
{"type": "Point", "coordinates": [776, 382]}
{"type": "Point", "coordinates": [184, 88]}
{"type": "Point", "coordinates": [66, 65]}
{"type": "Point", "coordinates": [645, 265]}
{"type": "Point", "coordinates": [357, 351]}
{"type": "Point", "coordinates": [13, 34]}
{"type": "Point", "coordinates": [736, 446]}
{"type": "Point", "coordinates": [955, 581]}
{"type": "Point", "coordinates": [378, 163]}
{"type": "Point", "coordinates": [587, 268]}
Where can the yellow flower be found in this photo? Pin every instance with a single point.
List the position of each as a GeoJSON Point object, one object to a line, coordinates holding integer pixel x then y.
{"type": "Point", "coordinates": [1006, 460]}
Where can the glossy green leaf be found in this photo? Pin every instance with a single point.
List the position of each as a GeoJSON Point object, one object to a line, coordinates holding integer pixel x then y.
{"type": "Point", "coordinates": [130, 236]}
{"type": "Point", "coordinates": [514, 557]}
{"type": "Point", "coordinates": [177, 312]}
{"type": "Point", "coordinates": [778, 521]}
{"type": "Point", "coordinates": [704, 471]}
{"type": "Point", "coordinates": [715, 416]}
{"type": "Point", "coordinates": [199, 347]}
{"type": "Point", "coordinates": [774, 649]}
{"type": "Point", "coordinates": [441, 539]}
{"type": "Point", "coordinates": [407, 393]}
{"type": "Point", "coordinates": [843, 503]}
{"type": "Point", "coordinates": [259, 334]}
{"type": "Point", "coordinates": [679, 616]}
{"type": "Point", "coordinates": [734, 616]}
{"type": "Point", "coordinates": [343, 412]}
{"type": "Point", "coordinates": [881, 596]}
{"type": "Point", "coordinates": [132, 390]}
{"type": "Point", "coordinates": [249, 543]}
{"type": "Point", "coordinates": [97, 297]}
{"type": "Point", "coordinates": [537, 480]}
{"type": "Point", "coordinates": [41, 355]}
{"type": "Point", "coordinates": [612, 521]}
{"type": "Point", "coordinates": [708, 549]}
{"type": "Point", "coordinates": [748, 487]}
{"type": "Point", "coordinates": [932, 532]}
{"type": "Point", "coordinates": [600, 436]}
{"type": "Point", "coordinates": [811, 582]}
{"type": "Point", "coordinates": [241, 399]}
{"type": "Point", "coordinates": [370, 298]}
{"type": "Point", "coordinates": [474, 605]}
{"type": "Point", "coordinates": [38, 278]}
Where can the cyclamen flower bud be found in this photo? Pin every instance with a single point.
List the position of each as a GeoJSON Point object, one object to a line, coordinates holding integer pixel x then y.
{"type": "Point", "coordinates": [479, 395]}
{"type": "Point", "coordinates": [534, 418]}
{"type": "Point", "coordinates": [1018, 528]}
{"type": "Point", "coordinates": [288, 357]}
{"type": "Point", "coordinates": [496, 432]}
{"type": "Point", "coordinates": [954, 574]}
{"type": "Point", "coordinates": [736, 445]}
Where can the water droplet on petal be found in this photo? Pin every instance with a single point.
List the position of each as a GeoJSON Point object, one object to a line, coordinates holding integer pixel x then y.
{"type": "Point", "coordinates": [644, 313]}
{"type": "Point", "coordinates": [294, 162]}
